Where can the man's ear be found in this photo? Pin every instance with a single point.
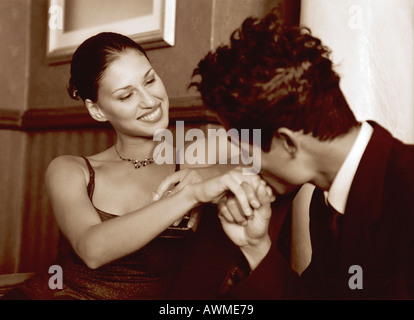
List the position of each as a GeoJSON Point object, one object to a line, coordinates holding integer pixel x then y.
{"type": "Point", "coordinates": [95, 111]}
{"type": "Point", "coordinates": [289, 140]}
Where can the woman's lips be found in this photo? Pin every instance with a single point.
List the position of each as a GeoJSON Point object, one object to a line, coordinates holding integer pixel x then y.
{"type": "Point", "coordinates": [153, 116]}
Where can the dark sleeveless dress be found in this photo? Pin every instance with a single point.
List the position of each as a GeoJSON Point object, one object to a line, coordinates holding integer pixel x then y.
{"type": "Point", "coordinates": [145, 274]}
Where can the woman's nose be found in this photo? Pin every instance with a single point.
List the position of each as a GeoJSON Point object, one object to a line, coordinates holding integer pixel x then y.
{"type": "Point", "coordinates": [147, 100]}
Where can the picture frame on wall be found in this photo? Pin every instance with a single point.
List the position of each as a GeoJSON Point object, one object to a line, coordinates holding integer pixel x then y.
{"type": "Point", "coordinates": [151, 23]}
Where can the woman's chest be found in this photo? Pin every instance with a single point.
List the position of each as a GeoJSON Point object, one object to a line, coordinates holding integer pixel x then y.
{"type": "Point", "coordinates": [119, 191]}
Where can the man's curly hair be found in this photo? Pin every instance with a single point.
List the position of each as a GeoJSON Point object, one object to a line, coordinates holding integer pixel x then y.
{"type": "Point", "coordinates": [271, 76]}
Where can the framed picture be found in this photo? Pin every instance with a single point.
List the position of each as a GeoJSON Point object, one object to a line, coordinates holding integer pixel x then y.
{"type": "Point", "coordinates": [151, 23]}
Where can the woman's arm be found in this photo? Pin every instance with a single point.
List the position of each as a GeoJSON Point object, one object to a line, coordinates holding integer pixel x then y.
{"type": "Point", "coordinates": [98, 243]}
{"type": "Point", "coordinates": [218, 160]}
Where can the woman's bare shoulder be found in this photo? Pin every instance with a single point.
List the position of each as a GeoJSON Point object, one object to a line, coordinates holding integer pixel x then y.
{"type": "Point", "coordinates": [66, 160]}
{"type": "Point", "coordinates": [67, 166]}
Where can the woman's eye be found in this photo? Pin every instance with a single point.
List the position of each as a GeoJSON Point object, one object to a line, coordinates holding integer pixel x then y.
{"type": "Point", "coordinates": [123, 98]}
{"type": "Point", "coordinates": [150, 81]}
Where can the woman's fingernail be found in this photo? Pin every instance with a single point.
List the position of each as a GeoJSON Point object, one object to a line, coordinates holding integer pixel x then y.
{"type": "Point", "coordinates": [248, 211]}
{"type": "Point", "coordinates": [155, 196]}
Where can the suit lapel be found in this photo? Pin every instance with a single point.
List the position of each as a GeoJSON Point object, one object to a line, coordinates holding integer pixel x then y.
{"type": "Point", "coordinates": [365, 197]}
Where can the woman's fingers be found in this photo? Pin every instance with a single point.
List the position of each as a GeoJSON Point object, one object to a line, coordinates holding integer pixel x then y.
{"type": "Point", "coordinates": [251, 195]}
{"type": "Point", "coordinates": [238, 191]}
{"type": "Point", "coordinates": [244, 188]}
{"type": "Point", "coordinates": [265, 194]}
{"type": "Point", "coordinates": [177, 222]}
{"type": "Point", "coordinates": [166, 184]}
{"type": "Point", "coordinates": [193, 219]}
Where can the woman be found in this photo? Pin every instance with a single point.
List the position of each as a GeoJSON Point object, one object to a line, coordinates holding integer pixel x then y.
{"type": "Point", "coordinates": [112, 244]}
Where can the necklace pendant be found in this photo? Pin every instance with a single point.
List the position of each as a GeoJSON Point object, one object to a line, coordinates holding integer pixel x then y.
{"type": "Point", "coordinates": [137, 164]}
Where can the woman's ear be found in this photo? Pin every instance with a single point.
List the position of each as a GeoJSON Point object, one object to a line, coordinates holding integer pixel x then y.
{"type": "Point", "coordinates": [289, 140]}
{"type": "Point", "coordinates": [95, 111]}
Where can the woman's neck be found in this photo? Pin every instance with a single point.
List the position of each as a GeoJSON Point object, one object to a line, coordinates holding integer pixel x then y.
{"type": "Point", "coordinates": [135, 148]}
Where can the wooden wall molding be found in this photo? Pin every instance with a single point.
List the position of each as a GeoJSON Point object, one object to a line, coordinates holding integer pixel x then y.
{"type": "Point", "coordinates": [10, 119]}
{"type": "Point", "coordinates": [188, 109]}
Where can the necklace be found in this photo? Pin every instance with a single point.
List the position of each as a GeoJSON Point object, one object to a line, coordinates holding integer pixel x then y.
{"type": "Point", "coordinates": [137, 163]}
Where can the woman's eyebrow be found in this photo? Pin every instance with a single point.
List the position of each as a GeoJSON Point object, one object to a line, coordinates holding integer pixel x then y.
{"type": "Point", "coordinates": [123, 88]}
{"type": "Point", "coordinates": [129, 86]}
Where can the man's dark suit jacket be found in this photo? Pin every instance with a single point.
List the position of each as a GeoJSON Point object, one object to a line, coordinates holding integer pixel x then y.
{"type": "Point", "coordinates": [209, 271]}
{"type": "Point", "coordinates": [376, 233]}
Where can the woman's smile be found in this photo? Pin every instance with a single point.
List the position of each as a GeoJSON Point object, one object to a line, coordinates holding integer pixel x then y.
{"type": "Point", "coordinates": [152, 116]}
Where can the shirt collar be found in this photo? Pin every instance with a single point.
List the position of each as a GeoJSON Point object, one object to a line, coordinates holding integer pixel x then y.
{"type": "Point", "coordinates": [337, 196]}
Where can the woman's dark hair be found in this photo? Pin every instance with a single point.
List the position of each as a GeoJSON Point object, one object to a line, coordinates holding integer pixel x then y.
{"type": "Point", "coordinates": [272, 75]}
{"type": "Point", "coordinates": [91, 59]}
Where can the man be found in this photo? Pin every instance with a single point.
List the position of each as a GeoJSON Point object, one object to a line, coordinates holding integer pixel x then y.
{"type": "Point", "coordinates": [280, 79]}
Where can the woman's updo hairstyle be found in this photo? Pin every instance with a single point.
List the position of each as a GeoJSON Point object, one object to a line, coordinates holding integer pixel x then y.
{"type": "Point", "coordinates": [91, 59]}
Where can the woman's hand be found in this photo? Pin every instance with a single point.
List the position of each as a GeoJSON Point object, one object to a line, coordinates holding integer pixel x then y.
{"type": "Point", "coordinates": [209, 184]}
{"type": "Point", "coordinates": [244, 204]}
{"type": "Point", "coordinates": [178, 180]}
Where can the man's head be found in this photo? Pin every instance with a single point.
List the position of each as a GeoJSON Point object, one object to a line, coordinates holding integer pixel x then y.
{"type": "Point", "coordinates": [272, 76]}
{"type": "Point", "coordinates": [278, 79]}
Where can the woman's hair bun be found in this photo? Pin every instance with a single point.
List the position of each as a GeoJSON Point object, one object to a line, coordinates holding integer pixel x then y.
{"type": "Point", "coordinates": [72, 90]}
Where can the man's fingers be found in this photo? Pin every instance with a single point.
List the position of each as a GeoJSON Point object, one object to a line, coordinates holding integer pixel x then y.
{"type": "Point", "coordinates": [270, 194]}
{"type": "Point", "coordinates": [230, 210]}
{"type": "Point", "coordinates": [235, 211]}
{"type": "Point", "coordinates": [224, 212]}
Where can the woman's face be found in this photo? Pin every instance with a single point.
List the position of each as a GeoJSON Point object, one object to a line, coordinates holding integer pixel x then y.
{"type": "Point", "coordinates": [132, 96]}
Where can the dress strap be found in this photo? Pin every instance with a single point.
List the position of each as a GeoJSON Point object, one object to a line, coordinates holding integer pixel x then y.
{"type": "Point", "coordinates": [91, 184]}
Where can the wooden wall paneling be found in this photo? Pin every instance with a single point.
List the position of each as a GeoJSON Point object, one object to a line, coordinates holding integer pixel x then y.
{"type": "Point", "coordinates": [12, 162]}
{"type": "Point", "coordinates": [40, 232]}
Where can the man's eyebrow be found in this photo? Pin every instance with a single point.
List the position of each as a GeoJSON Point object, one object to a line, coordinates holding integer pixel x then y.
{"type": "Point", "coordinates": [129, 86]}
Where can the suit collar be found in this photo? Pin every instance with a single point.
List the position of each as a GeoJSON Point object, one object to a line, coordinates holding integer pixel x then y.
{"type": "Point", "coordinates": [337, 196]}
{"type": "Point", "coordinates": [365, 196]}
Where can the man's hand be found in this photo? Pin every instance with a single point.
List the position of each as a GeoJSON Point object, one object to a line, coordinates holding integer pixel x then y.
{"type": "Point", "coordinates": [250, 234]}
